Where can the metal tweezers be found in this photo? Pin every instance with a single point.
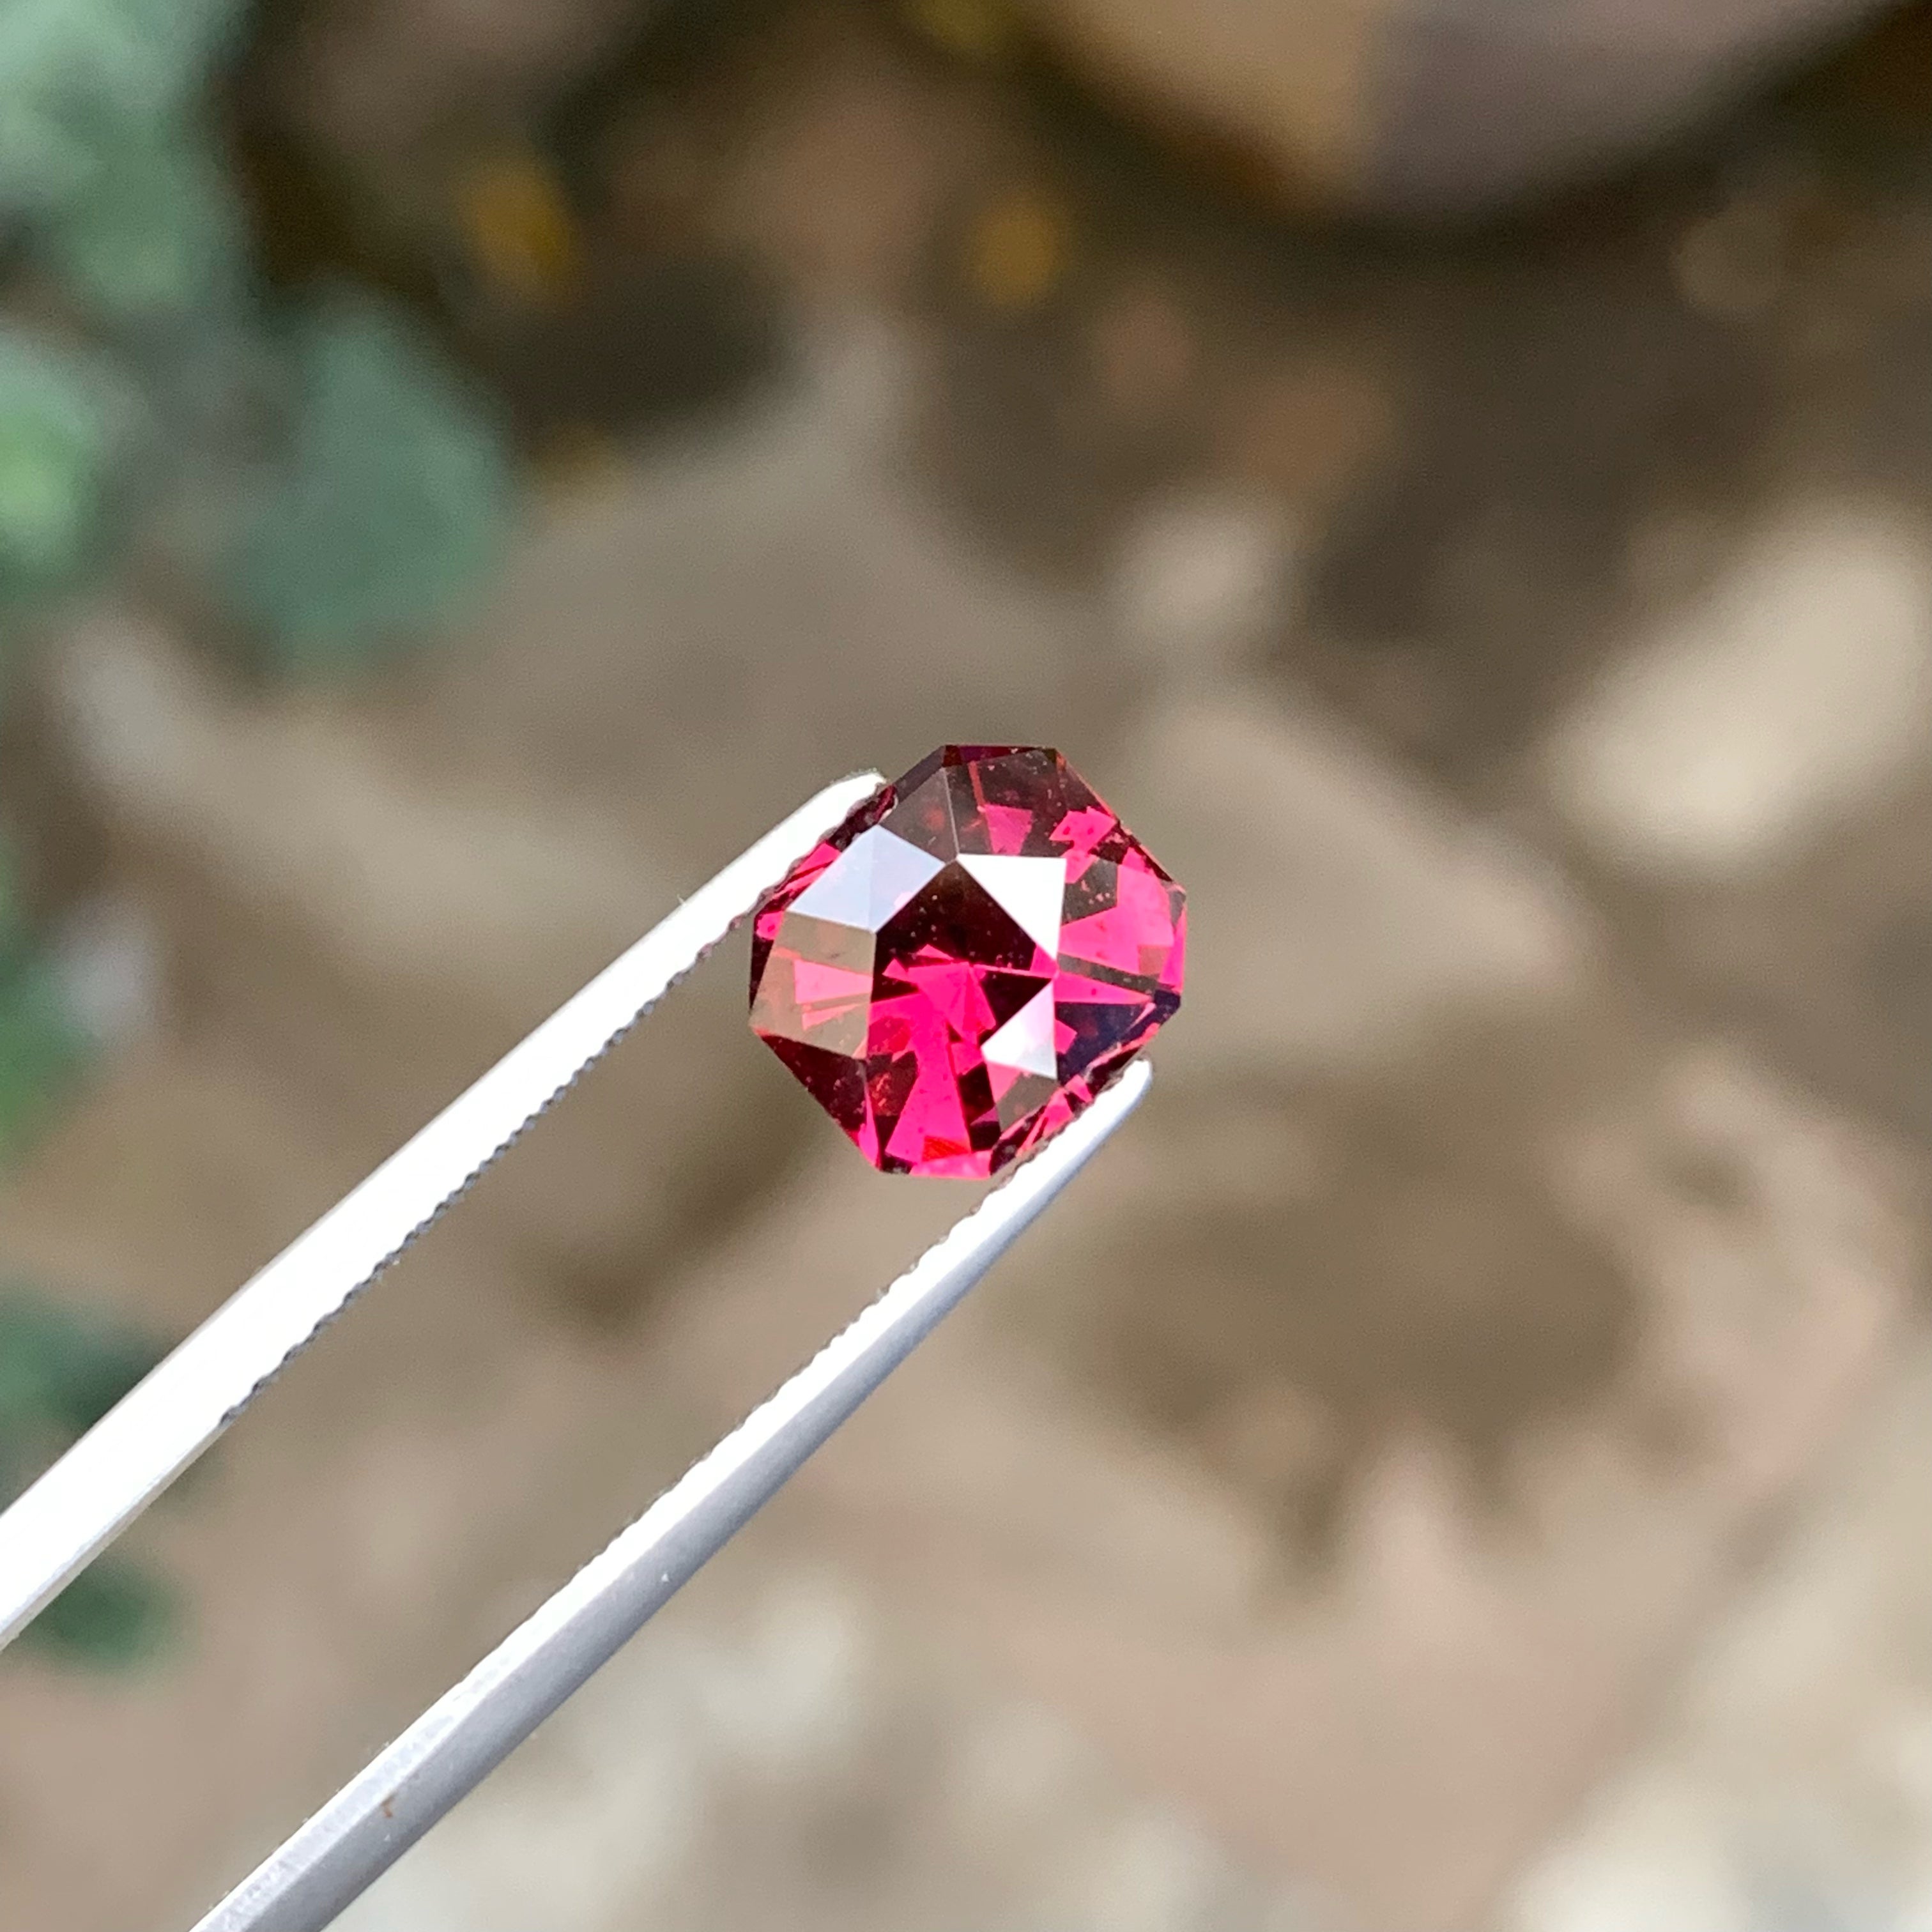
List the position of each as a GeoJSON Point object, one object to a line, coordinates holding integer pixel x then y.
{"type": "Point", "coordinates": [87, 1498]}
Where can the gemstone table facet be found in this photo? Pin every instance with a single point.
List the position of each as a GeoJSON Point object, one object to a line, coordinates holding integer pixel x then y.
{"type": "Point", "coordinates": [976, 952]}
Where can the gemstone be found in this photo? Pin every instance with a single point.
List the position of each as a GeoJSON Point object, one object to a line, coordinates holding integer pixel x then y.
{"type": "Point", "coordinates": [967, 960]}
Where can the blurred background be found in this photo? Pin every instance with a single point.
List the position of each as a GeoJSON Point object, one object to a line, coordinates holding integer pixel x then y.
{"type": "Point", "coordinates": [1457, 477]}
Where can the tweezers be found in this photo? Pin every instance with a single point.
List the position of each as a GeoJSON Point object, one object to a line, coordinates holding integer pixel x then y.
{"type": "Point", "coordinates": [89, 1496]}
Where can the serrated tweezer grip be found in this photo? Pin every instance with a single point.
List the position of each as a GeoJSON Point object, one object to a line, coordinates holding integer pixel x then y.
{"type": "Point", "coordinates": [82, 1503]}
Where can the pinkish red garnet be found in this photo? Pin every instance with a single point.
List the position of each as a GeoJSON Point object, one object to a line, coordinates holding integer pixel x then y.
{"type": "Point", "coordinates": [958, 969]}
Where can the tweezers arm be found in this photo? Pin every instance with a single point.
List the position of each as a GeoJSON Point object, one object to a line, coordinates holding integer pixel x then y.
{"type": "Point", "coordinates": [134, 1452]}
{"type": "Point", "coordinates": [449, 1750]}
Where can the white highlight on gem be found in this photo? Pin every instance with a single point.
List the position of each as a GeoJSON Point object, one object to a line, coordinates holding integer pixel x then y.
{"type": "Point", "coordinates": [869, 881]}
{"type": "Point", "coordinates": [1029, 891]}
{"type": "Point", "coordinates": [1025, 1042]}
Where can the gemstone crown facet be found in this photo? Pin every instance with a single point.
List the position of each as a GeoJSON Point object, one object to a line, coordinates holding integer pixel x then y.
{"type": "Point", "coordinates": [967, 960]}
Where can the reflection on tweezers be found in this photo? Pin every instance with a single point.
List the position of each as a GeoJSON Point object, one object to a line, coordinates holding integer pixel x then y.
{"type": "Point", "coordinates": [54, 1528]}
{"type": "Point", "coordinates": [374, 1818]}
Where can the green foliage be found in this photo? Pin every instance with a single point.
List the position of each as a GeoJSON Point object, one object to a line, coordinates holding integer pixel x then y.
{"type": "Point", "coordinates": [83, 81]}
{"type": "Point", "coordinates": [13, 930]}
{"type": "Point", "coordinates": [157, 234]}
{"type": "Point", "coordinates": [60, 1372]}
{"type": "Point", "coordinates": [392, 494]}
{"type": "Point", "coordinates": [393, 498]}
{"type": "Point", "coordinates": [42, 1050]}
{"type": "Point", "coordinates": [113, 1615]}
{"type": "Point", "coordinates": [57, 419]}
{"type": "Point", "coordinates": [41, 1047]}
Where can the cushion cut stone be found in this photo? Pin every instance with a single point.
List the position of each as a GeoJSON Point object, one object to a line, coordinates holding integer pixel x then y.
{"type": "Point", "coordinates": [970, 958]}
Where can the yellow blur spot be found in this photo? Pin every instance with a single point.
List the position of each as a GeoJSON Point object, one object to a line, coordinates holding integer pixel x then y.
{"type": "Point", "coordinates": [1018, 251]}
{"type": "Point", "coordinates": [522, 236]}
{"type": "Point", "coordinates": [977, 30]}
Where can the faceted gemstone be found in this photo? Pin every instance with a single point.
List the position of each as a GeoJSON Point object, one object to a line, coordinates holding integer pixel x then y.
{"type": "Point", "coordinates": [973, 955]}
